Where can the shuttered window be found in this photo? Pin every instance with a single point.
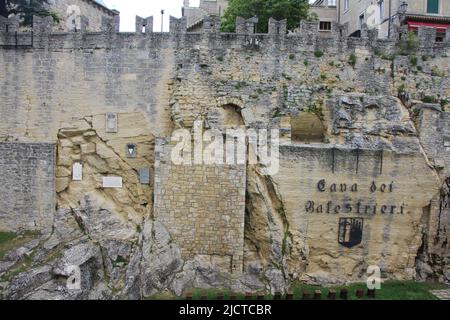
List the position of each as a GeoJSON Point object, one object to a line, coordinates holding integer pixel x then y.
{"type": "Point", "coordinates": [433, 6]}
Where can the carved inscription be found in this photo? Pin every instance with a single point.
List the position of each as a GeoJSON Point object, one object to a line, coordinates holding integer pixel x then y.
{"type": "Point", "coordinates": [356, 206]}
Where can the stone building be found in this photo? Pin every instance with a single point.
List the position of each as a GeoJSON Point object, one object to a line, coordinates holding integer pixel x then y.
{"type": "Point", "coordinates": [326, 11]}
{"type": "Point", "coordinates": [195, 15]}
{"type": "Point", "coordinates": [89, 14]}
{"type": "Point", "coordinates": [386, 15]}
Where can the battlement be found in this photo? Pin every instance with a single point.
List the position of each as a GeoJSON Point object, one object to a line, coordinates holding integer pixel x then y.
{"type": "Point", "coordinates": [307, 37]}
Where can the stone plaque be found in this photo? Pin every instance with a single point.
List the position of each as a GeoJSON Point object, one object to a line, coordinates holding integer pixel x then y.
{"type": "Point", "coordinates": [77, 171]}
{"type": "Point", "coordinates": [111, 122]}
{"type": "Point", "coordinates": [112, 182]}
{"type": "Point", "coordinates": [144, 175]}
{"type": "Point", "coordinates": [447, 143]}
{"type": "Point", "coordinates": [131, 150]}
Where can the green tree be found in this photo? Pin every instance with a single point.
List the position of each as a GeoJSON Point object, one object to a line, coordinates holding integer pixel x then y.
{"type": "Point", "coordinates": [292, 10]}
{"type": "Point", "coordinates": [26, 9]}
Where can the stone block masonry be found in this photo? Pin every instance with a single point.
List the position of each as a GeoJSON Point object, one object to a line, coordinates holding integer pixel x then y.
{"type": "Point", "coordinates": [203, 208]}
{"type": "Point", "coordinates": [27, 185]}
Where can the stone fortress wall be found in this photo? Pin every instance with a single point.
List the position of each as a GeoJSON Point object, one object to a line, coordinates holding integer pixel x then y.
{"type": "Point", "coordinates": [27, 173]}
{"type": "Point", "coordinates": [352, 106]}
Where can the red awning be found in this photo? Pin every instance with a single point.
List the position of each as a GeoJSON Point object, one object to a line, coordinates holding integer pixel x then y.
{"type": "Point", "coordinates": [414, 25]}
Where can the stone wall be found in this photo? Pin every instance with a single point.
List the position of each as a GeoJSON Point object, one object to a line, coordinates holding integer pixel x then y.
{"type": "Point", "coordinates": [41, 88]}
{"type": "Point", "coordinates": [361, 93]}
{"type": "Point", "coordinates": [369, 186]}
{"type": "Point", "coordinates": [27, 185]}
{"type": "Point", "coordinates": [434, 129]}
{"type": "Point", "coordinates": [202, 207]}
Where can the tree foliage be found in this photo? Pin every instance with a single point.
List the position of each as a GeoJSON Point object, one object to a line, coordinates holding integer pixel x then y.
{"type": "Point", "coordinates": [26, 9]}
{"type": "Point", "coordinates": [292, 10]}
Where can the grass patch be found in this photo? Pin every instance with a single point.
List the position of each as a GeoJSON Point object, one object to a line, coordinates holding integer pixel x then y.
{"type": "Point", "coordinates": [390, 290]}
{"type": "Point", "coordinates": [240, 84]}
{"type": "Point", "coordinates": [11, 240]}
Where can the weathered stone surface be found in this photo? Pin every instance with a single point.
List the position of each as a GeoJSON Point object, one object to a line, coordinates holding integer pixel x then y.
{"type": "Point", "coordinates": [27, 173]}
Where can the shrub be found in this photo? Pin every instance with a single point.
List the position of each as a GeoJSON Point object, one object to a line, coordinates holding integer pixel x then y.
{"type": "Point", "coordinates": [318, 53]}
{"type": "Point", "coordinates": [429, 99]}
{"type": "Point", "coordinates": [377, 52]}
{"type": "Point", "coordinates": [401, 90]}
{"type": "Point", "coordinates": [409, 45]}
{"type": "Point", "coordinates": [352, 59]}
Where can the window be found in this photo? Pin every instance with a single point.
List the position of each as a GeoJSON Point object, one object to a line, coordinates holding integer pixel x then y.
{"type": "Point", "coordinates": [361, 20]}
{"type": "Point", "coordinates": [325, 26]}
{"type": "Point", "coordinates": [433, 6]}
{"type": "Point", "coordinates": [331, 2]}
{"type": "Point", "coordinates": [381, 9]}
{"type": "Point", "coordinates": [346, 4]}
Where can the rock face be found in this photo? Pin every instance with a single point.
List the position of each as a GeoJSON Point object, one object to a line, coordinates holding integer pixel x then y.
{"type": "Point", "coordinates": [94, 206]}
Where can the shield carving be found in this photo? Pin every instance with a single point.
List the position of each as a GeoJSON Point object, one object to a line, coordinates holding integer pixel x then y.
{"type": "Point", "coordinates": [350, 231]}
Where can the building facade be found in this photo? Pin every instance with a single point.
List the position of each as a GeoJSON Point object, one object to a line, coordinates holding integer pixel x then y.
{"type": "Point", "coordinates": [326, 11]}
{"type": "Point", "coordinates": [385, 15]}
{"type": "Point", "coordinates": [195, 15]}
{"type": "Point", "coordinates": [91, 15]}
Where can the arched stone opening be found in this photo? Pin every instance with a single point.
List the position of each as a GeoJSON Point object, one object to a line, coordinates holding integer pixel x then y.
{"type": "Point", "coordinates": [225, 116]}
{"type": "Point", "coordinates": [307, 127]}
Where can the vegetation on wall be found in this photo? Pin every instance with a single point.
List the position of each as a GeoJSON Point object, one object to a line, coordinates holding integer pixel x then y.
{"type": "Point", "coordinates": [292, 10]}
{"type": "Point", "coordinates": [26, 9]}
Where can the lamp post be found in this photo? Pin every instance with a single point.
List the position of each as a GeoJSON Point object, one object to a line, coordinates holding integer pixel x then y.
{"type": "Point", "coordinates": [402, 10]}
{"type": "Point", "coordinates": [401, 13]}
{"type": "Point", "coordinates": [162, 19]}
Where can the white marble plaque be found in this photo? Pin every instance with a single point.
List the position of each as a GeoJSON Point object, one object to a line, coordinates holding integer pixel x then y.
{"type": "Point", "coordinates": [112, 182]}
{"type": "Point", "coordinates": [111, 122]}
{"type": "Point", "coordinates": [77, 171]}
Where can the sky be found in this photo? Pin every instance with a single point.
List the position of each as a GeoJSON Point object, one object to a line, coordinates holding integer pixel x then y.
{"type": "Point", "coordinates": [145, 8]}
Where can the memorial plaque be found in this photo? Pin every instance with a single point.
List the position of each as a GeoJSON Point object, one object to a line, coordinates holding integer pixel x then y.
{"type": "Point", "coordinates": [447, 143]}
{"type": "Point", "coordinates": [111, 122]}
{"type": "Point", "coordinates": [144, 175]}
{"type": "Point", "coordinates": [77, 171]}
{"type": "Point", "coordinates": [112, 182]}
{"type": "Point", "coordinates": [131, 150]}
